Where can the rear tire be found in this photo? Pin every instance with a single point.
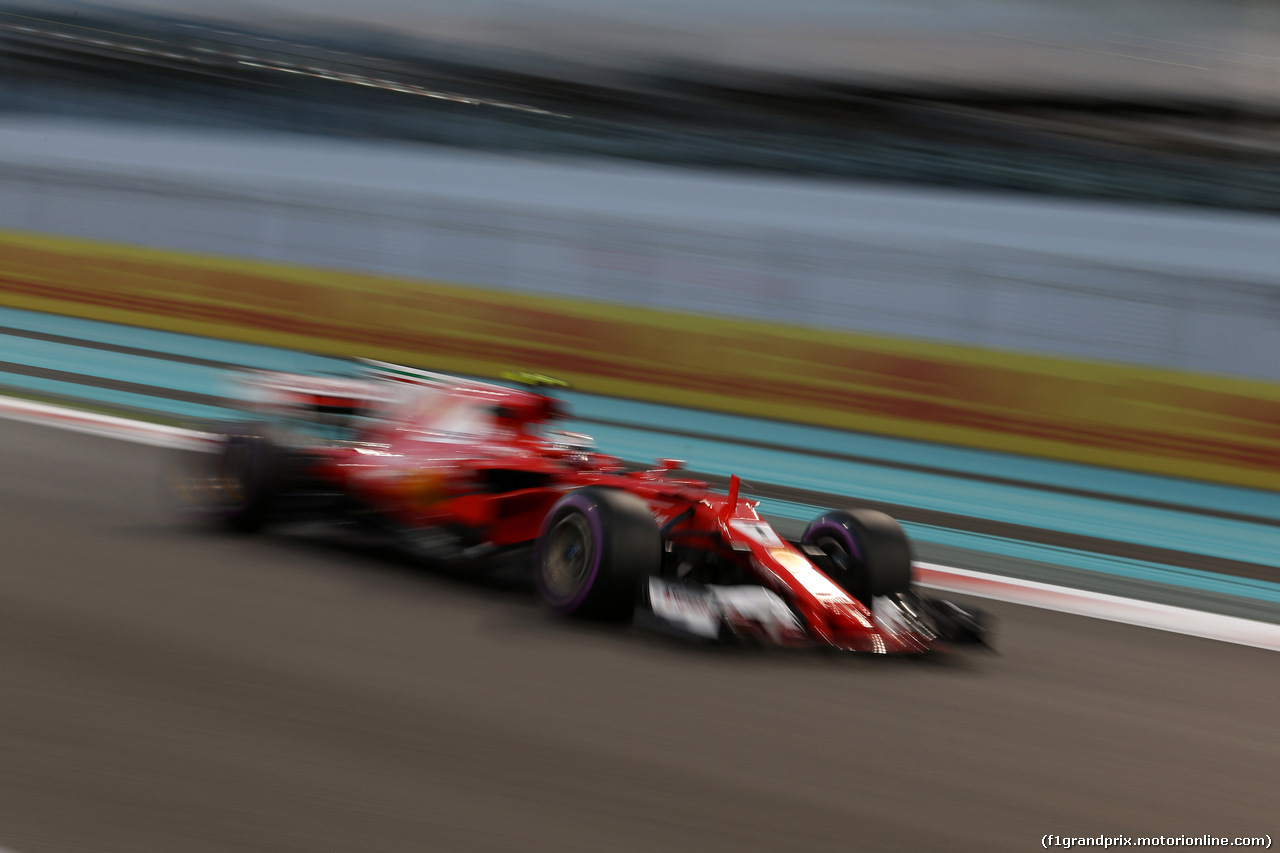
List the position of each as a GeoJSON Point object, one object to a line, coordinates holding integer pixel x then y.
{"type": "Point", "coordinates": [235, 485]}
{"type": "Point", "coordinates": [869, 552]}
{"type": "Point", "coordinates": [596, 546]}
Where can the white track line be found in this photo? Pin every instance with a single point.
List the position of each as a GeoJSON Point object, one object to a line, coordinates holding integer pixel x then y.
{"type": "Point", "coordinates": [1113, 608]}
{"type": "Point", "coordinates": [93, 423]}
{"type": "Point", "coordinates": [1162, 617]}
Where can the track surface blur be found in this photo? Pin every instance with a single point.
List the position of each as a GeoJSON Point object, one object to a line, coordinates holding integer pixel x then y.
{"type": "Point", "coordinates": [167, 688]}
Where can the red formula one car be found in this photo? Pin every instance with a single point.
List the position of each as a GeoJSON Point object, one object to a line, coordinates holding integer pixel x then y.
{"type": "Point", "coordinates": [469, 468]}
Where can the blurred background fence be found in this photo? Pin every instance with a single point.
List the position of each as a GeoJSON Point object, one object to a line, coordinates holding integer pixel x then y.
{"type": "Point", "coordinates": [1128, 100]}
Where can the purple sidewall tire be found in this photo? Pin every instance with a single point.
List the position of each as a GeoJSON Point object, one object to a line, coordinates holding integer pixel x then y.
{"type": "Point", "coordinates": [584, 505]}
{"type": "Point", "coordinates": [824, 527]}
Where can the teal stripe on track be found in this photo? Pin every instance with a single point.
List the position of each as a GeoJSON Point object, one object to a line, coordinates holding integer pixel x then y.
{"type": "Point", "coordinates": [961, 460]}
{"type": "Point", "coordinates": [100, 364]}
{"type": "Point", "coordinates": [192, 346]}
{"type": "Point", "coordinates": [1182, 531]}
{"type": "Point", "coordinates": [1100, 563]}
{"type": "Point", "coordinates": [111, 398]}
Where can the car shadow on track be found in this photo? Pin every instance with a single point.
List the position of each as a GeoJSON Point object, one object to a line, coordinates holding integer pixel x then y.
{"type": "Point", "coordinates": [505, 579]}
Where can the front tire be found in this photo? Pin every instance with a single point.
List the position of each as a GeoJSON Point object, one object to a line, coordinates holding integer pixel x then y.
{"type": "Point", "coordinates": [869, 552]}
{"type": "Point", "coordinates": [596, 546]}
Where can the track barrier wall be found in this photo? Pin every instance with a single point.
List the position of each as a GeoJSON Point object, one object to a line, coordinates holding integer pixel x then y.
{"type": "Point", "coordinates": [1092, 334]}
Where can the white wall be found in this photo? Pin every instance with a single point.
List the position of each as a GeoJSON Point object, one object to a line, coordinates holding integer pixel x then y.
{"type": "Point", "coordinates": [1186, 289]}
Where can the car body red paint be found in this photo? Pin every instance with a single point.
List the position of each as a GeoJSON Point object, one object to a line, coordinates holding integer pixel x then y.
{"type": "Point", "coordinates": [479, 467]}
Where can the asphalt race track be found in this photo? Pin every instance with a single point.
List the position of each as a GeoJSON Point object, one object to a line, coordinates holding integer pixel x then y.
{"type": "Point", "coordinates": [165, 688]}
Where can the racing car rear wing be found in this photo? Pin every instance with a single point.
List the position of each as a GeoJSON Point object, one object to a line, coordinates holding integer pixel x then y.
{"type": "Point", "coordinates": [386, 371]}
{"type": "Point", "coordinates": [320, 399]}
{"type": "Point", "coordinates": [384, 391]}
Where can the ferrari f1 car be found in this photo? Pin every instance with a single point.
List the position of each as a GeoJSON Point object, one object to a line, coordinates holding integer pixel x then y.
{"type": "Point", "coordinates": [472, 468]}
